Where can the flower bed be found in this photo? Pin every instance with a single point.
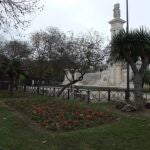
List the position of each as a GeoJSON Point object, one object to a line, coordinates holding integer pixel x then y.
{"type": "Point", "coordinates": [60, 115]}
{"type": "Point", "coordinates": [68, 117]}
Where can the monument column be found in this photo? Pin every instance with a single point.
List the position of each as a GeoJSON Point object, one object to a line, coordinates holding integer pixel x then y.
{"type": "Point", "coordinates": [116, 26]}
{"type": "Point", "coordinates": [116, 23]}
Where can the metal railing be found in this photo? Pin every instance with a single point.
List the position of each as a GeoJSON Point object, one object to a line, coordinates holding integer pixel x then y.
{"type": "Point", "coordinates": [89, 94]}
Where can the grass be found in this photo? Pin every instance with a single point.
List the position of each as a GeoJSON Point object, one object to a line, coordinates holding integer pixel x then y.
{"type": "Point", "coordinates": [19, 133]}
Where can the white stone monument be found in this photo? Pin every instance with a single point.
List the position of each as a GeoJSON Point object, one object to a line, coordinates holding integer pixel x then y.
{"type": "Point", "coordinates": [115, 75]}
{"type": "Point", "coordinates": [116, 23]}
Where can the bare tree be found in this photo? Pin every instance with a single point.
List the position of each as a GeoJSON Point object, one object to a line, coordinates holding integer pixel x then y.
{"type": "Point", "coordinates": [39, 61]}
{"type": "Point", "coordinates": [79, 54]}
{"type": "Point", "coordinates": [38, 43]}
{"type": "Point", "coordinates": [46, 44]}
{"type": "Point", "coordinates": [13, 12]}
{"type": "Point", "coordinates": [54, 42]}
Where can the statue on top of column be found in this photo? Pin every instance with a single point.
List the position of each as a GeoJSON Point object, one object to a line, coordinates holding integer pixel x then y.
{"type": "Point", "coordinates": [117, 10]}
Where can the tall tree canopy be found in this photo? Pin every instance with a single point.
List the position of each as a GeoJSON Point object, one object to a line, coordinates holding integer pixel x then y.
{"type": "Point", "coordinates": [16, 50]}
{"type": "Point", "coordinates": [45, 45]}
{"type": "Point", "coordinates": [14, 53]}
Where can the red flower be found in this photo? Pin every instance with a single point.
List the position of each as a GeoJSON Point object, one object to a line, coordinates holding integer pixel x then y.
{"type": "Point", "coordinates": [65, 123]}
{"type": "Point", "coordinates": [99, 114]}
{"type": "Point", "coordinates": [76, 113]}
{"type": "Point", "coordinates": [39, 110]}
{"type": "Point", "coordinates": [61, 114]}
{"type": "Point", "coordinates": [46, 122]}
{"type": "Point", "coordinates": [75, 122]}
{"type": "Point", "coordinates": [89, 117]}
{"type": "Point", "coordinates": [90, 112]}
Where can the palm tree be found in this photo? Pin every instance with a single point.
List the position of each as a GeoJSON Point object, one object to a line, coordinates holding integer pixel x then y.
{"type": "Point", "coordinates": [132, 47]}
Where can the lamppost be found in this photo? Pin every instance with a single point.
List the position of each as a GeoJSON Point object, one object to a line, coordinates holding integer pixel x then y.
{"type": "Point", "coordinates": [127, 16]}
{"type": "Point", "coordinates": [128, 71]}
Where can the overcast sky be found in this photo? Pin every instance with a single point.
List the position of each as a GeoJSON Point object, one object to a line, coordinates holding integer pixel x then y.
{"type": "Point", "coordinates": [82, 15]}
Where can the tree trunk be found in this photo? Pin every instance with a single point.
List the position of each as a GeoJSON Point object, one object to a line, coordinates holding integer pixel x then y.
{"type": "Point", "coordinates": [65, 86]}
{"type": "Point", "coordinates": [16, 84]}
{"type": "Point", "coordinates": [138, 96]}
{"type": "Point", "coordinates": [10, 86]}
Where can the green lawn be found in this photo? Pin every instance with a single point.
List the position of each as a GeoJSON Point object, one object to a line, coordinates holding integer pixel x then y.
{"type": "Point", "coordinates": [18, 132]}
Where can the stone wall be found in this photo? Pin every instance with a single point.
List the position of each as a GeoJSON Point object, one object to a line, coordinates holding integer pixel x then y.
{"type": "Point", "coordinates": [114, 76]}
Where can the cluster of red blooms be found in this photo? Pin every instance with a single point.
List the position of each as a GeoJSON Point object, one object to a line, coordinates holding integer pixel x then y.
{"type": "Point", "coordinates": [67, 117]}
{"type": "Point", "coordinates": [39, 110]}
